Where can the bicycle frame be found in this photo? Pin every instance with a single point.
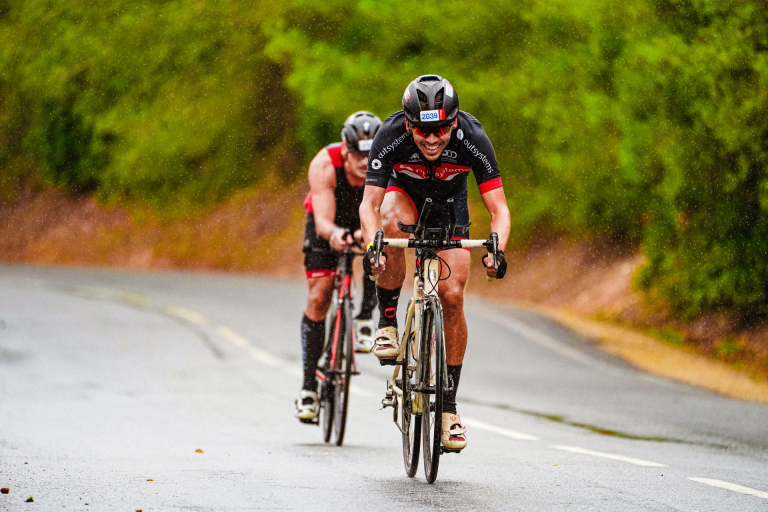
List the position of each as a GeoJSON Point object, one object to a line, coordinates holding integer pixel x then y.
{"type": "Point", "coordinates": [425, 284]}
{"type": "Point", "coordinates": [342, 289]}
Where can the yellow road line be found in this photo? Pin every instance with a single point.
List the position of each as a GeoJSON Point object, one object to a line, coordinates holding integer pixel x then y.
{"type": "Point", "coordinates": [232, 337]}
{"type": "Point", "coordinates": [187, 314]}
{"type": "Point", "coordinates": [264, 357]}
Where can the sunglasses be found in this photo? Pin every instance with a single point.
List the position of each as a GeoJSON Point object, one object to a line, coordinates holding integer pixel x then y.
{"type": "Point", "coordinates": [439, 131]}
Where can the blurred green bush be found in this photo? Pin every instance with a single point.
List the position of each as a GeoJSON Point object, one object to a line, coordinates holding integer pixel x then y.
{"type": "Point", "coordinates": [170, 105]}
{"type": "Point", "coordinates": [642, 121]}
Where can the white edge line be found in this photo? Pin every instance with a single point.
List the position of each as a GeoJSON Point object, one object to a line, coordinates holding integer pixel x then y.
{"type": "Point", "coordinates": [731, 487]}
{"type": "Point", "coordinates": [498, 430]}
{"type": "Point", "coordinates": [639, 462]}
{"type": "Point", "coordinates": [187, 314]}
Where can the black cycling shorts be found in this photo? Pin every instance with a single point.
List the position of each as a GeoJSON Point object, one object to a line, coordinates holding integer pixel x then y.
{"type": "Point", "coordinates": [438, 214]}
{"type": "Point", "coordinates": [317, 264]}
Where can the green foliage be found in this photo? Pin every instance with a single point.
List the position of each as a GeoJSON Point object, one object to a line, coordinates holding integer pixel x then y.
{"type": "Point", "coordinates": [166, 104]}
{"type": "Point", "coordinates": [641, 120]}
{"type": "Point", "coordinates": [729, 348]}
{"type": "Point", "coordinates": [669, 336]}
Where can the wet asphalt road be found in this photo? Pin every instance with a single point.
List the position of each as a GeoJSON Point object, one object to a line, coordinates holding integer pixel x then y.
{"type": "Point", "coordinates": [109, 379]}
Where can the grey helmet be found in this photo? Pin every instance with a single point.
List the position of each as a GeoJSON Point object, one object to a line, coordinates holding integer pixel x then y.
{"type": "Point", "coordinates": [430, 100]}
{"type": "Point", "coordinates": [360, 126]}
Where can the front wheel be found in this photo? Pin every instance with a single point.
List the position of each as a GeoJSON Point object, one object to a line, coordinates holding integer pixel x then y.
{"type": "Point", "coordinates": [433, 373]}
{"type": "Point", "coordinates": [345, 358]}
{"type": "Point", "coordinates": [327, 387]}
{"type": "Point", "coordinates": [326, 407]}
{"type": "Point", "coordinates": [411, 405]}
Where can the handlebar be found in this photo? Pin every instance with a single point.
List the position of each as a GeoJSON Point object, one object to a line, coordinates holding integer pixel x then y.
{"type": "Point", "coordinates": [434, 238]}
{"type": "Point", "coordinates": [412, 243]}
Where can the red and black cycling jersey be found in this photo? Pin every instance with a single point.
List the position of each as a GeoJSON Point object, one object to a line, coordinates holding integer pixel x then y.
{"type": "Point", "coordinates": [320, 260]}
{"type": "Point", "coordinates": [395, 154]}
{"type": "Point", "coordinates": [348, 198]}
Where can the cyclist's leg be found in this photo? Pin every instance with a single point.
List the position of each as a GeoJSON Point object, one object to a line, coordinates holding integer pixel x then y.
{"type": "Point", "coordinates": [397, 206]}
{"type": "Point", "coordinates": [452, 299]}
{"type": "Point", "coordinates": [369, 300]}
{"type": "Point", "coordinates": [364, 326]}
{"type": "Point", "coordinates": [320, 270]}
{"type": "Point", "coordinates": [451, 293]}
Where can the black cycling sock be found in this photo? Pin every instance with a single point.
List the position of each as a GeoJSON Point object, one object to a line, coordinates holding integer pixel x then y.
{"type": "Point", "coordinates": [369, 299]}
{"type": "Point", "coordinates": [312, 336]}
{"type": "Point", "coordinates": [449, 399]}
{"type": "Point", "coordinates": [388, 306]}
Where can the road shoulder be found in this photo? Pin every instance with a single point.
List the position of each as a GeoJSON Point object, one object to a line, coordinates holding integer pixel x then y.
{"type": "Point", "coordinates": [654, 356]}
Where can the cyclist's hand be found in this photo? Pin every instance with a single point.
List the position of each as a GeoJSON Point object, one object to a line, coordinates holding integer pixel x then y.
{"type": "Point", "coordinates": [490, 271]}
{"type": "Point", "coordinates": [370, 268]}
{"type": "Point", "coordinates": [359, 238]}
{"type": "Point", "coordinates": [341, 239]}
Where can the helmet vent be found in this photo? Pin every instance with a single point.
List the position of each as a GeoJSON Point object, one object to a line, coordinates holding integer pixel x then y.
{"type": "Point", "coordinates": [423, 100]}
{"type": "Point", "coordinates": [439, 98]}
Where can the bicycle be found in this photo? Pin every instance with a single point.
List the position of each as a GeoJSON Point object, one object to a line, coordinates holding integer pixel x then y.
{"type": "Point", "coordinates": [417, 394]}
{"type": "Point", "coordinates": [339, 365]}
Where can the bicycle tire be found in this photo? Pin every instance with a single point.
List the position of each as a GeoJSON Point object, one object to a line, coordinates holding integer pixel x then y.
{"type": "Point", "coordinates": [326, 408]}
{"type": "Point", "coordinates": [327, 387]}
{"type": "Point", "coordinates": [345, 359]}
{"type": "Point", "coordinates": [433, 371]}
{"type": "Point", "coordinates": [411, 422]}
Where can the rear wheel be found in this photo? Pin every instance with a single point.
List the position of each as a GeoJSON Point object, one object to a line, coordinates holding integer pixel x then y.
{"type": "Point", "coordinates": [411, 419]}
{"type": "Point", "coordinates": [345, 359]}
{"type": "Point", "coordinates": [432, 378]}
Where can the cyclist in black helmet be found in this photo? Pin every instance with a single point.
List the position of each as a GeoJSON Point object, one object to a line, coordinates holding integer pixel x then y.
{"type": "Point", "coordinates": [426, 151]}
{"type": "Point", "coordinates": [336, 180]}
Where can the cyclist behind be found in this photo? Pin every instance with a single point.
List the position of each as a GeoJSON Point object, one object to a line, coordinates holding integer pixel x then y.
{"type": "Point", "coordinates": [426, 151]}
{"type": "Point", "coordinates": [336, 180]}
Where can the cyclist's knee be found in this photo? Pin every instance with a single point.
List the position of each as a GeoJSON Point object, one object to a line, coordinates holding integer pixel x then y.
{"type": "Point", "coordinates": [319, 298]}
{"type": "Point", "coordinates": [393, 210]}
{"type": "Point", "coordinates": [391, 229]}
{"type": "Point", "coordinates": [317, 310]}
{"type": "Point", "coordinates": [452, 297]}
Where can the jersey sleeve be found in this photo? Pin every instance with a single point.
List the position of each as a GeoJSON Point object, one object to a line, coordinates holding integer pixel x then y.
{"type": "Point", "coordinates": [383, 150]}
{"type": "Point", "coordinates": [480, 151]}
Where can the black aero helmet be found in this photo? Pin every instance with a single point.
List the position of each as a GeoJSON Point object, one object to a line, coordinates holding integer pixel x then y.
{"type": "Point", "coordinates": [430, 100]}
{"type": "Point", "coordinates": [359, 130]}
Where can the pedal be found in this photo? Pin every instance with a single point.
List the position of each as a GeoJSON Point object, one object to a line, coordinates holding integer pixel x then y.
{"type": "Point", "coordinates": [389, 399]}
{"type": "Point", "coordinates": [443, 449]}
{"type": "Point", "coordinates": [310, 422]}
{"type": "Point", "coordinates": [390, 362]}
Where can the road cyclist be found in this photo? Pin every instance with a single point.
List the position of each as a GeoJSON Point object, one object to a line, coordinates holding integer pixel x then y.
{"type": "Point", "coordinates": [426, 151]}
{"type": "Point", "coordinates": [416, 393]}
{"type": "Point", "coordinates": [336, 180]}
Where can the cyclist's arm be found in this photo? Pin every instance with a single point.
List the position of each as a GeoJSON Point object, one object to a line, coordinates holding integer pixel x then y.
{"type": "Point", "coordinates": [496, 203]}
{"type": "Point", "coordinates": [370, 211]}
{"type": "Point", "coordinates": [322, 182]}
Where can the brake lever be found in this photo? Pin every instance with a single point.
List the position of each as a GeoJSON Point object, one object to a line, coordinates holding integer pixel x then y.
{"type": "Point", "coordinates": [493, 252]}
{"type": "Point", "coordinates": [378, 247]}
